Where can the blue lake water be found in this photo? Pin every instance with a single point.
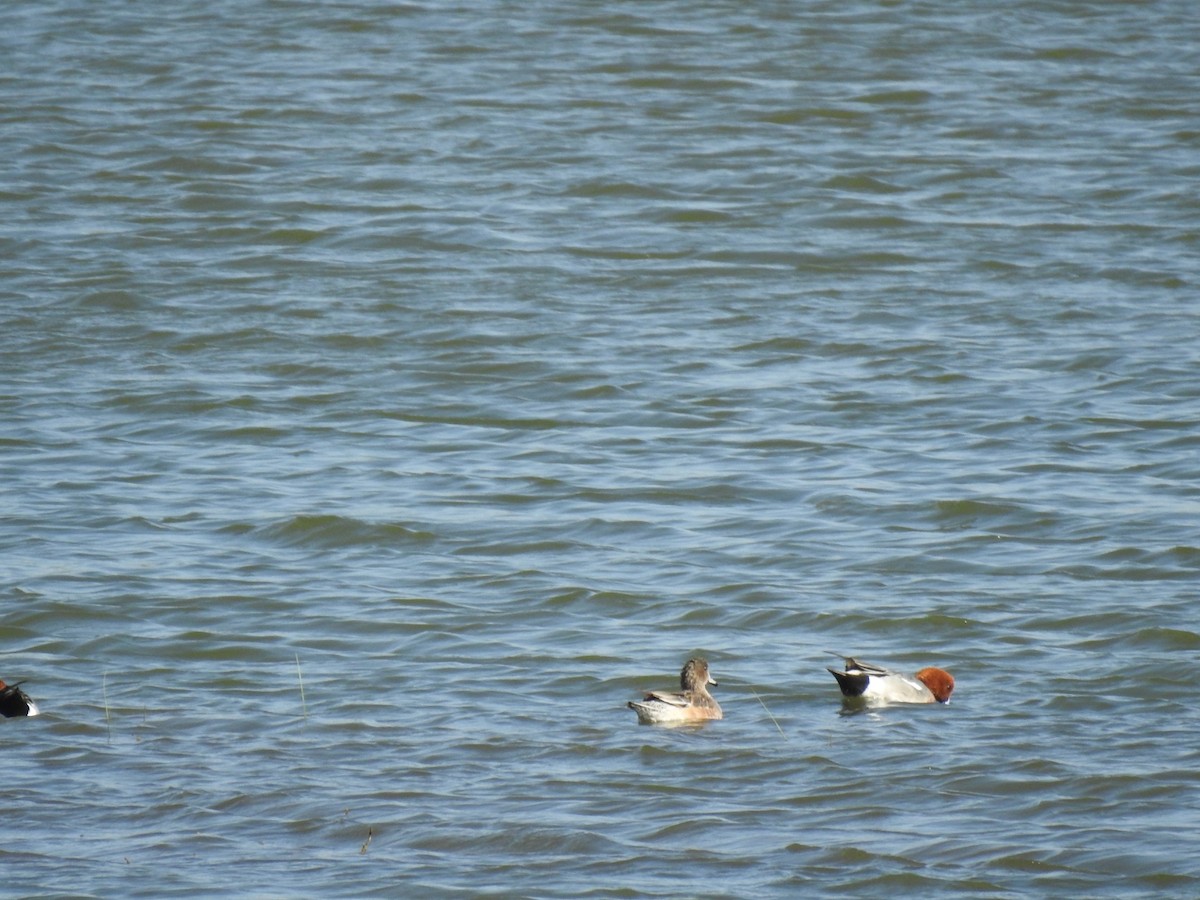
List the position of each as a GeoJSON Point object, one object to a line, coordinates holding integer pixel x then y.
{"type": "Point", "coordinates": [391, 391]}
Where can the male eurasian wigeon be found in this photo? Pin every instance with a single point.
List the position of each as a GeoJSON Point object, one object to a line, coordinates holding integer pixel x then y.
{"type": "Point", "coordinates": [873, 684]}
{"type": "Point", "coordinates": [15, 702]}
{"type": "Point", "coordinates": [693, 704]}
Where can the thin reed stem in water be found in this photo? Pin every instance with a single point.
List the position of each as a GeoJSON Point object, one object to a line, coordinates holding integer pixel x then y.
{"type": "Point", "coordinates": [107, 717]}
{"type": "Point", "coordinates": [300, 678]}
{"type": "Point", "coordinates": [768, 712]}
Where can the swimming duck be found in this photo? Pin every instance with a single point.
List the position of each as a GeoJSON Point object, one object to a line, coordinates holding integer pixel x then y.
{"type": "Point", "coordinates": [692, 704]}
{"type": "Point", "coordinates": [15, 702]}
{"type": "Point", "coordinates": [874, 684]}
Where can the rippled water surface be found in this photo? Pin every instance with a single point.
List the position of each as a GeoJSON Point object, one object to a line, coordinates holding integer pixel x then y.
{"type": "Point", "coordinates": [391, 391]}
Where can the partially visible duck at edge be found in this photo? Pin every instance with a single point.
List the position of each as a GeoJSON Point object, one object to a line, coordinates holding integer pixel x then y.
{"type": "Point", "coordinates": [864, 682]}
{"type": "Point", "coordinates": [692, 704]}
{"type": "Point", "coordinates": [15, 702]}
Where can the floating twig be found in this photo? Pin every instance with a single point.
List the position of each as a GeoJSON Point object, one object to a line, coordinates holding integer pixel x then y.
{"type": "Point", "coordinates": [366, 843]}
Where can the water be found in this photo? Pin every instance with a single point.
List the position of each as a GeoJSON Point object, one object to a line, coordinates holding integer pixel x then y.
{"type": "Point", "coordinates": [391, 391]}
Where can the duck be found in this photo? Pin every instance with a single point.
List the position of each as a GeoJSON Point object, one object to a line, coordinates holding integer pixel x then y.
{"type": "Point", "coordinates": [876, 685]}
{"type": "Point", "coordinates": [15, 702]}
{"type": "Point", "coordinates": [690, 705]}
